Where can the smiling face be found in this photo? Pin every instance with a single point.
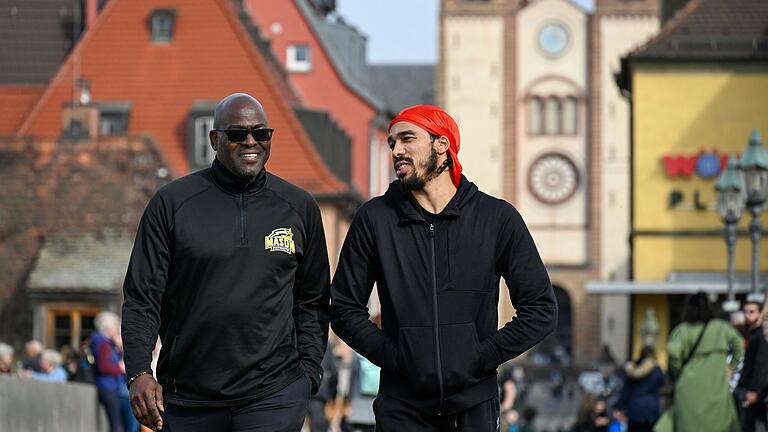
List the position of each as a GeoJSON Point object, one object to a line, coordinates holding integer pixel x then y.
{"type": "Point", "coordinates": [247, 158]}
{"type": "Point", "coordinates": [415, 156]}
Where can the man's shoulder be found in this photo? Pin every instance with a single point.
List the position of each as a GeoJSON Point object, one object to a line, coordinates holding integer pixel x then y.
{"type": "Point", "coordinates": [186, 186]}
{"type": "Point", "coordinates": [497, 207]}
{"type": "Point", "coordinates": [288, 191]}
{"type": "Point", "coordinates": [376, 207]}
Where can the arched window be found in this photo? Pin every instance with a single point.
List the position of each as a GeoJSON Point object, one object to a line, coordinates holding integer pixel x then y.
{"type": "Point", "coordinates": [552, 116]}
{"type": "Point", "coordinates": [535, 109]}
{"type": "Point", "coordinates": [570, 116]}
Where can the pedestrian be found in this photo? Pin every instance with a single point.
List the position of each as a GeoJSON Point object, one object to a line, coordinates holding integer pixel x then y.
{"type": "Point", "coordinates": [6, 358]}
{"type": "Point", "coordinates": [529, 419]}
{"type": "Point", "coordinates": [437, 247]}
{"type": "Point", "coordinates": [230, 268]}
{"type": "Point", "coordinates": [592, 415]}
{"type": "Point", "coordinates": [318, 419]}
{"type": "Point", "coordinates": [109, 370]}
{"type": "Point", "coordinates": [754, 378]}
{"type": "Point", "coordinates": [50, 368]}
{"type": "Point", "coordinates": [639, 402]}
{"type": "Point", "coordinates": [33, 351]}
{"type": "Point", "coordinates": [753, 318]}
{"type": "Point", "coordinates": [698, 350]}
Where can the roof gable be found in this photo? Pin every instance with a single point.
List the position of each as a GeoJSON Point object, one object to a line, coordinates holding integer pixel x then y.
{"type": "Point", "coordinates": [337, 39]}
{"type": "Point", "coordinates": [712, 30]}
{"type": "Point", "coordinates": [210, 56]}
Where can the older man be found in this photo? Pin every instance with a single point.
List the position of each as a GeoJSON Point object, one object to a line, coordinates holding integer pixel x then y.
{"type": "Point", "coordinates": [437, 247]}
{"type": "Point", "coordinates": [230, 268]}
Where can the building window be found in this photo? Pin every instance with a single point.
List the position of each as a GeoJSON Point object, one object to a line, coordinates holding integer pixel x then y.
{"type": "Point", "coordinates": [114, 118]}
{"type": "Point", "coordinates": [570, 116]}
{"type": "Point", "coordinates": [552, 113]}
{"type": "Point", "coordinates": [535, 117]}
{"type": "Point", "coordinates": [298, 58]}
{"type": "Point", "coordinates": [68, 326]}
{"type": "Point", "coordinates": [161, 24]}
{"type": "Point", "coordinates": [203, 153]}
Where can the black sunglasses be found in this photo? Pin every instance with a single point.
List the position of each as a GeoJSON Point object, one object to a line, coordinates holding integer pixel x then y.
{"type": "Point", "coordinates": [240, 135]}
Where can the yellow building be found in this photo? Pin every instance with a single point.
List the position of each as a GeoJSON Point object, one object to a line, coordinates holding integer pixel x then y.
{"type": "Point", "coordinates": [695, 95]}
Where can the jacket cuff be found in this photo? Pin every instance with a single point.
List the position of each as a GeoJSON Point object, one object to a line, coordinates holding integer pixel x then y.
{"type": "Point", "coordinates": [489, 360]}
{"type": "Point", "coordinates": [315, 377]}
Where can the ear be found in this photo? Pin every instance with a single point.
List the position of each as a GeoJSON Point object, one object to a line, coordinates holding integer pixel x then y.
{"type": "Point", "coordinates": [214, 137]}
{"type": "Point", "coordinates": [442, 144]}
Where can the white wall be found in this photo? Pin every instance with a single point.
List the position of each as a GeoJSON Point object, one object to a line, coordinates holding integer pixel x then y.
{"type": "Point", "coordinates": [474, 95]}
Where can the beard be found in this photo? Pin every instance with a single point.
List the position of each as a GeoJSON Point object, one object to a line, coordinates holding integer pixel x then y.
{"type": "Point", "coordinates": [417, 181]}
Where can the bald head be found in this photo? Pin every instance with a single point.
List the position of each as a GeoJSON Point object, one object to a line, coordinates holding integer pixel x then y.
{"type": "Point", "coordinates": [234, 105]}
{"type": "Point", "coordinates": [240, 152]}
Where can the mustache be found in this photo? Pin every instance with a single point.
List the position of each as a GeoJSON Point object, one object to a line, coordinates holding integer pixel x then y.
{"type": "Point", "coordinates": [402, 159]}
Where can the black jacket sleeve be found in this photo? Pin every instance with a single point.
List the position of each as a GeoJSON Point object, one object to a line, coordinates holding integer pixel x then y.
{"type": "Point", "coordinates": [145, 284]}
{"type": "Point", "coordinates": [350, 291]}
{"type": "Point", "coordinates": [749, 379]}
{"type": "Point", "coordinates": [311, 298]}
{"type": "Point", "coordinates": [530, 291]}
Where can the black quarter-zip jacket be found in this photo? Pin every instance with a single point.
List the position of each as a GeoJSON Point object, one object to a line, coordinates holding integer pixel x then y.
{"type": "Point", "coordinates": [438, 283]}
{"type": "Point", "coordinates": [235, 279]}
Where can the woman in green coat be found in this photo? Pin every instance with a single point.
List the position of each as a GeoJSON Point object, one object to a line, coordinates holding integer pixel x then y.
{"type": "Point", "coordinates": [703, 401]}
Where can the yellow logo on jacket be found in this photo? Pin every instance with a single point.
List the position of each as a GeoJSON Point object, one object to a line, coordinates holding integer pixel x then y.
{"type": "Point", "coordinates": [280, 240]}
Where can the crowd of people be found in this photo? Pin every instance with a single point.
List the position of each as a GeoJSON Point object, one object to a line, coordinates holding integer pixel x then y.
{"type": "Point", "coordinates": [97, 361]}
{"type": "Point", "coordinates": [716, 377]}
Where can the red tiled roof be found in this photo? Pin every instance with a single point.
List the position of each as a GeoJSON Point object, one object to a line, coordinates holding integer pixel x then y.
{"type": "Point", "coordinates": [211, 56]}
{"type": "Point", "coordinates": [15, 103]}
{"type": "Point", "coordinates": [712, 30]}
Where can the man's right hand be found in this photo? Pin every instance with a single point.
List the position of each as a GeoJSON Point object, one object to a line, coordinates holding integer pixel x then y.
{"type": "Point", "coordinates": [147, 401]}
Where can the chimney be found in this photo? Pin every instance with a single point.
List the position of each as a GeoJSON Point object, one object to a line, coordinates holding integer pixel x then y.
{"type": "Point", "coordinates": [80, 118]}
{"type": "Point", "coordinates": [91, 10]}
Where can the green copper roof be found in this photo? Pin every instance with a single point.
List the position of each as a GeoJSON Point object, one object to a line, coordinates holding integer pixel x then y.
{"type": "Point", "coordinates": [755, 156]}
{"type": "Point", "coordinates": [731, 178]}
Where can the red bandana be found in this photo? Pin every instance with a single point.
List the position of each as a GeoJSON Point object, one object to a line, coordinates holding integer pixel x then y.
{"type": "Point", "coordinates": [437, 122]}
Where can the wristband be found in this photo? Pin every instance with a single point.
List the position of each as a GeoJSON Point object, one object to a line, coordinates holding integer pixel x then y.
{"type": "Point", "coordinates": [133, 378]}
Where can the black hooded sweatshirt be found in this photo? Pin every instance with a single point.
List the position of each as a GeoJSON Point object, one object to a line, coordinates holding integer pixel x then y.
{"type": "Point", "coordinates": [234, 278]}
{"type": "Point", "coordinates": [438, 283]}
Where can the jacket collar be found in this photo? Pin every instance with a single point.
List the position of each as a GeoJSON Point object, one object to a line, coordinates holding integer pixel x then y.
{"type": "Point", "coordinates": [230, 183]}
{"type": "Point", "coordinates": [409, 209]}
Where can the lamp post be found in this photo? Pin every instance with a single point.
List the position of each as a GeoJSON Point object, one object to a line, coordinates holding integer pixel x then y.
{"type": "Point", "coordinates": [730, 202]}
{"type": "Point", "coordinates": [754, 165]}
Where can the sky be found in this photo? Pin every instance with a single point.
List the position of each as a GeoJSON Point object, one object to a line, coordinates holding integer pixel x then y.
{"type": "Point", "coordinates": [395, 36]}
{"type": "Point", "coordinates": [400, 31]}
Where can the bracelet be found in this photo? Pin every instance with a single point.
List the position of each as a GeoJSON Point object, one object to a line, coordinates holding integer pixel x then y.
{"type": "Point", "coordinates": [133, 378]}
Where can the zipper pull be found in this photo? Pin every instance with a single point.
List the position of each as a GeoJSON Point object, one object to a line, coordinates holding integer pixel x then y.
{"type": "Point", "coordinates": [431, 230]}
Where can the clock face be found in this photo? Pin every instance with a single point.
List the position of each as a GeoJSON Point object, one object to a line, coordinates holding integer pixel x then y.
{"type": "Point", "coordinates": [553, 178]}
{"type": "Point", "coordinates": [553, 39]}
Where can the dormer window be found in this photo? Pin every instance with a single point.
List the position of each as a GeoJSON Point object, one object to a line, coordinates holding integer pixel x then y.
{"type": "Point", "coordinates": [114, 118]}
{"type": "Point", "coordinates": [298, 58]}
{"type": "Point", "coordinates": [161, 25]}
{"type": "Point", "coordinates": [199, 125]}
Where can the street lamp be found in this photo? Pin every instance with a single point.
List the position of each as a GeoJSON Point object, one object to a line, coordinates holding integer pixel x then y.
{"type": "Point", "coordinates": [754, 165]}
{"type": "Point", "coordinates": [730, 202]}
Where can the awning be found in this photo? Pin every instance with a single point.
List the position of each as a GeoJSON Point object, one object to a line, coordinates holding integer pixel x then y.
{"type": "Point", "coordinates": [677, 283]}
{"type": "Point", "coordinates": [662, 287]}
